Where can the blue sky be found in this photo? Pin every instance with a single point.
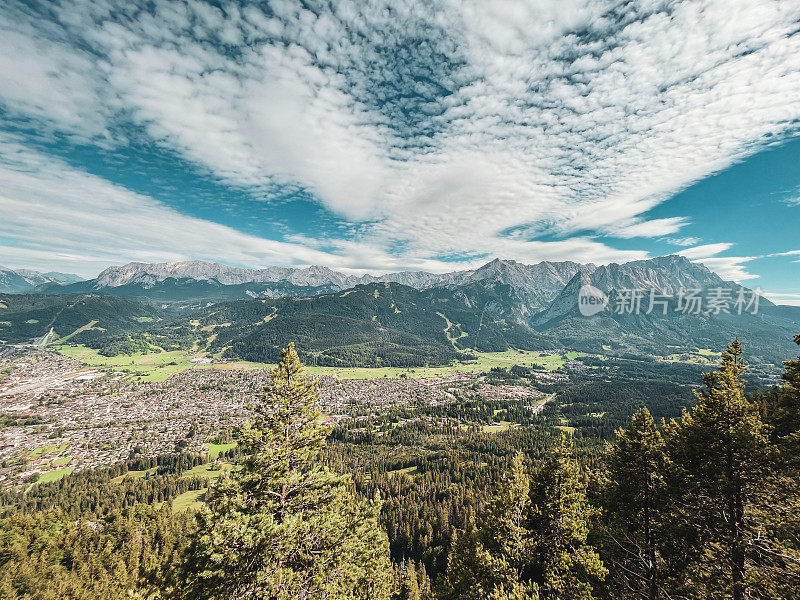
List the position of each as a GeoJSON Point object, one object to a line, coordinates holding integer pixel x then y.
{"type": "Point", "coordinates": [380, 136]}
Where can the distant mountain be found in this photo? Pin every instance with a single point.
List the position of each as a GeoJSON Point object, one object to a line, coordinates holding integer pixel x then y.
{"type": "Point", "coordinates": [187, 292]}
{"type": "Point", "coordinates": [17, 281]}
{"type": "Point", "coordinates": [75, 317]}
{"type": "Point", "coordinates": [766, 335]}
{"type": "Point", "coordinates": [496, 307]}
{"type": "Point", "coordinates": [536, 285]}
{"type": "Point", "coordinates": [369, 325]}
{"type": "Point", "coordinates": [503, 304]}
{"type": "Point", "coordinates": [664, 275]}
{"type": "Point", "coordinates": [148, 275]}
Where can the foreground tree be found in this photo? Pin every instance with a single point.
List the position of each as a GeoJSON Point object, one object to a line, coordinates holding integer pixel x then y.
{"type": "Point", "coordinates": [785, 496]}
{"type": "Point", "coordinates": [787, 413]}
{"type": "Point", "coordinates": [634, 506]}
{"type": "Point", "coordinates": [494, 561]}
{"type": "Point", "coordinates": [724, 487]}
{"type": "Point", "coordinates": [565, 565]}
{"type": "Point", "coordinates": [534, 541]}
{"type": "Point", "coordinates": [282, 527]}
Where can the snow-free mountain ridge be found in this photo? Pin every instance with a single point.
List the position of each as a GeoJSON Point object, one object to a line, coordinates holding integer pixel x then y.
{"type": "Point", "coordinates": [16, 281]}
{"type": "Point", "coordinates": [537, 284]}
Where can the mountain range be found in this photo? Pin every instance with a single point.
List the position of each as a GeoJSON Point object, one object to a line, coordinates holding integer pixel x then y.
{"type": "Point", "coordinates": [406, 318]}
{"type": "Point", "coordinates": [20, 281]}
{"type": "Point", "coordinates": [537, 285]}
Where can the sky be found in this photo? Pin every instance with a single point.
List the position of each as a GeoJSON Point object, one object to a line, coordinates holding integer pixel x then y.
{"type": "Point", "coordinates": [373, 136]}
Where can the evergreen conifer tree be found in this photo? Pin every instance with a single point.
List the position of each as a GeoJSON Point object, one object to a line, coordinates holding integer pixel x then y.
{"type": "Point", "coordinates": [491, 563]}
{"type": "Point", "coordinates": [787, 413]}
{"type": "Point", "coordinates": [534, 541]}
{"type": "Point", "coordinates": [425, 592]}
{"type": "Point", "coordinates": [634, 505]}
{"type": "Point", "coordinates": [409, 586]}
{"type": "Point", "coordinates": [726, 490]}
{"type": "Point", "coordinates": [564, 564]}
{"type": "Point", "coordinates": [282, 527]}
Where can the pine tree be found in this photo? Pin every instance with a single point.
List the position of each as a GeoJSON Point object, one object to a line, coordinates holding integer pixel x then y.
{"type": "Point", "coordinates": [725, 479]}
{"type": "Point", "coordinates": [506, 543]}
{"type": "Point", "coordinates": [634, 504]}
{"type": "Point", "coordinates": [564, 564]}
{"type": "Point", "coordinates": [785, 496]}
{"type": "Point", "coordinates": [787, 413]}
{"type": "Point", "coordinates": [424, 581]}
{"type": "Point", "coordinates": [491, 563]}
{"type": "Point", "coordinates": [534, 541]}
{"type": "Point", "coordinates": [283, 527]}
{"type": "Point", "coordinates": [409, 586]}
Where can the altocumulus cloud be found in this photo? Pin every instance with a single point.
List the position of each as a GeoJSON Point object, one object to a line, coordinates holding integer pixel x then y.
{"type": "Point", "coordinates": [440, 127]}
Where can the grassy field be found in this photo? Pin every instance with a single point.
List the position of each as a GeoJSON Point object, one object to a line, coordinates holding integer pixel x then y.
{"type": "Point", "coordinates": [158, 366]}
{"type": "Point", "coordinates": [485, 362]}
{"type": "Point", "coordinates": [568, 429]}
{"type": "Point", "coordinates": [191, 499]}
{"type": "Point", "coordinates": [154, 366]}
{"type": "Point", "coordinates": [135, 474]}
{"type": "Point", "coordinates": [214, 450]}
{"type": "Point", "coordinates": [701, 356]}
{"type": "Point", "coordinates": [410, 471]}
{"type": "Point", "coordinates": [497, 428]}
{"type": "Point", "coordinates": [56, 475]}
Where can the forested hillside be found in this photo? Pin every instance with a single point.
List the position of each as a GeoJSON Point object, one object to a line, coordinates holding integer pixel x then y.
{"type": "Point", "coordinates": [701, 506]}
{"type": "Point", "coordinates": [185, 291]}
{"type": "Point", "coordinates": [79, 318]}
{"type": "Point", "coordinates": [389, 324]}
{"type": "Point", "coordinates": [380, 324]}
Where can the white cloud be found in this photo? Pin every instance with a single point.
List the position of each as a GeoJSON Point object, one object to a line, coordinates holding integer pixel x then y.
{"type": "Point", "coordinates": [795, 199]}
{"type": "Point", "coordinates": [47, 210]}
{"type": "Point", "coordinates": [730, 268]}
{"type": "Point", "coordinates": [53, 216]}
{"type": "Point", "coordinates": [704, 251]}
{"type": "Point", "coordinates": [789, 298]}
{"type": "Point", "coordinates": [649, 229]}
{"type": "Point", "coordinates": [686, 241]}
{"type": "Point", "coordinates": [438, 126]}
{"type": "Point", "coordinates": [47, 80]}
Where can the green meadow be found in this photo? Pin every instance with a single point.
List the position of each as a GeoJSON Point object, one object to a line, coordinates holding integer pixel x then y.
{"type": "Point", "coordinates": [56, 475]}
{"type": "Point", "coordinates": [158, 366]}
{"type": "Point", "coordinates": [42, 450]}
{"type": "Point", "coordinates": [214, 450]}
{"type": "Point", "coordinates": [193, 499]}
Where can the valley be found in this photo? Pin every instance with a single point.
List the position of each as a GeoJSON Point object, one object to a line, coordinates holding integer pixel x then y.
{"type": "Point", "coordinates": [157, 366]}
{"type": "Point", "coordinates": [135, 398]}
{"type": "Point", "coordinates": [399, 300]}
{"type": "Point", "coordinates": [88, 411]}
{"type": "Point", "coordinates": [432, 323]}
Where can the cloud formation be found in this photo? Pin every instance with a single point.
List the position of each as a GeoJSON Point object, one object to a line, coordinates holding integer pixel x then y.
{"type": "Point", "coordinates": [47, 209]}
{"type": "Point", "coordinates": [445, 128]}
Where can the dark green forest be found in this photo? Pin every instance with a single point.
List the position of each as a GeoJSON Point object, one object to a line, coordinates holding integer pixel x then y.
{"type": "Point", "coordinates": [382, 324]}
{"type": "Point", "coordinates": [701, 503]}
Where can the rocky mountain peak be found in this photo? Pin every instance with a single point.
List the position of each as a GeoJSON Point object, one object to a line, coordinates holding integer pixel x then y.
{"type": "Point", "coordinates": [16, 281]}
